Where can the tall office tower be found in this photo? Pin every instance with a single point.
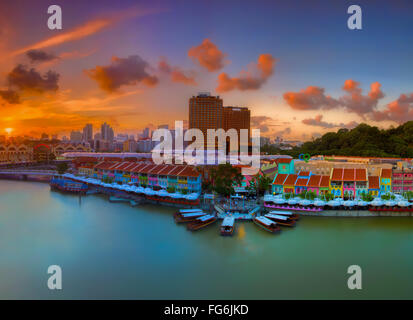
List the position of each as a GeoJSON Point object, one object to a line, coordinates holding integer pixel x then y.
{"type": "Point", "coordinates": [237, 118]}
{"type": "Point", "coordinates": [145, 133]}
{"type": "Point", "coordinates": [106, 132]}
{"type": "Point", "coordinates": [205, 112]}
{"type": "Point", "coordinates": [88, 132]}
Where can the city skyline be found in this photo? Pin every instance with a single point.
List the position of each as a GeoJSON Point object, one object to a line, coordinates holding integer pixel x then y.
{"type": "Point", "coordinates": [298, 79]}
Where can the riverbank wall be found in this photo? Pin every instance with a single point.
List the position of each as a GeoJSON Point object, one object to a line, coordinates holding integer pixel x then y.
{"type": "Point", "coordinates": [356, 213]}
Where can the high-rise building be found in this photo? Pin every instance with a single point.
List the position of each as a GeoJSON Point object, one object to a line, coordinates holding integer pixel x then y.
{"type": "Point", "coordinates": [205, 112]}
{"type": "Point", "coordinates": [106, 132]}
{"type": "Point", "coordinates": [145, 134]}
{"type": "Point", "coordinates": [88, 132]}
{"type": "Point", "coordinates": [237, 118]}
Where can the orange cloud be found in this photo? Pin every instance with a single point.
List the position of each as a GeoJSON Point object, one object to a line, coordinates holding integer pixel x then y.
{"type": "Point", "coordinates": [311, 98]}
{"type": "Point", "coordinates": [314, 98]}
{"type": "Point", "coordinates": [318, 122]}
{"type": "Point", "coordinates": [208, 55]}
{"type": "Point", "coordinates": [249, 80]}
{"type": "Point", "coordinates": [399, 110]}
{"type": "Point", "coordinates": [122, 71]}
{"type": "Point", "coordinates": [176, 74]}
{"type": "Point", "coordinates": [355, 101]}
{"type": "Point", "coordinates": [85, 30]}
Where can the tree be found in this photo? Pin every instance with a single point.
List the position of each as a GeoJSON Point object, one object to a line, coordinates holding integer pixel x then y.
{"type": "Point", "coordinates": [62, 167]}
{"type": "Point", "coordinates": [259, 184]}
{"type": "Point", "coordinates": [224, 177]}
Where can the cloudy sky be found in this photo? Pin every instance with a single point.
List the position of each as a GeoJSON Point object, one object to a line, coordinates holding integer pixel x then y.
{"type": "Point", "coordinates": [295, 64]}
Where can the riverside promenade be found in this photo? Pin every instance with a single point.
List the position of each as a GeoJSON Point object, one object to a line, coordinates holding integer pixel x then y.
{"type": "Point", "coordinates": [354, 213]}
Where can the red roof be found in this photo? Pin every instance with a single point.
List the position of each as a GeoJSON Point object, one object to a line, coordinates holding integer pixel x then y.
{"type": "Point", "coordinates": [166, 169]}
{"type": "Point", "coordinates": [304, 173]}
{"type": "Point", "coordinates": [284, 160]}
{"type": "Point", "coordinates": [349, 174]}
{"type": "Point", "coordinates": [157, 169]}
{"type": "Point", "coordinates": [105, 165]}
{"type": "Point", "coordinates": [374, 182]}
{"type": "Point", "coordinates": [314, 181]}
{"type": "Point", "coordinates": [337, 174]}
{"type": "Point", "coordinates": [280, 178]}
{"type": "Point", "coordinates": [325, 182]}
{"type": "Point", "coordinates": [147, 169]}
{"type": "Point", "coordinates": [290, 181]}
{"type": "Point", "coordinates": [386, 173]}
{"type": "Point", "coordinates": [189, 171]}
{"type": "Point", "coordinates": [124, 165]}
{"type": "Point", "coordinates": [361, 174]}
{"type": "Point", "coordinates": [175, 171]}
{"type": "Point", "coordinates": [301, 182]}
{"type": "Point", "coordinates": [138, 166]}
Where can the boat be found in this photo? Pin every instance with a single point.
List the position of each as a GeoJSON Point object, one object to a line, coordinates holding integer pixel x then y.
{"type": "Point", "coordinates": [289, 214]}
{"type": "Point", "coordinates": [281, 220]}
{"type": "Point", "coordinates": [117, 199]}
{"type": "Point", "coordinates": [267, 224]}
{"type": "Point", "coordinates": [189, 210]}
{"type": "Point", "coordinates": [187, 217]}
{"type": "Point", "coordinates": [68, 185]}
{"type": "Point", "coordinates": [201, 222]}
{"type": "Point", "coordinates": [227, 226]}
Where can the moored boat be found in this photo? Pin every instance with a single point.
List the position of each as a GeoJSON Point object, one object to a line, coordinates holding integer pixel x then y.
{"type": "Point", "coordinates": [281, 220]}
{"type": "Point", "coordinates": [188, 217]}
{"type": "Point", "coordinates": [201, 222]}
{"type": "Point", "coordinates": [267, 224]}
{"type": "Point", "coordinates": [289, 214]}
{"type": "Point", "coordinates": [227, 226]}
{"type": "Point", "coordinates": [189, 210]}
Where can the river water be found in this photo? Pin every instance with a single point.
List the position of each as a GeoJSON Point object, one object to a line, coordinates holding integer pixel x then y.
{"type": "Point", "coordinates": [113, 250]}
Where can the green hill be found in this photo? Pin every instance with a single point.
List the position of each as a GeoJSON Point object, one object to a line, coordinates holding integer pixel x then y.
{"type": "Point", "coordinates": [363, 140]}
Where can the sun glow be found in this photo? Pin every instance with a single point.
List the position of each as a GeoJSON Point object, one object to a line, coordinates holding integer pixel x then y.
{"type": "Point", "coordinates": [8, 130]}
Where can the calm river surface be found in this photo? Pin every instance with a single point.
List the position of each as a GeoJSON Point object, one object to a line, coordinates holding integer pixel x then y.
{"type": "Point", "coordinates": [112, 250]}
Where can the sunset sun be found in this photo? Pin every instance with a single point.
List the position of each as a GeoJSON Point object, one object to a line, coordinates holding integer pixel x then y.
{"type": "Point", "coordinates": [8, 130]}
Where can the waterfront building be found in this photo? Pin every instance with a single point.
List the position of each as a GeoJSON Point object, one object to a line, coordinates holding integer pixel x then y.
{"type": "Point", "coordinates": [302, 180]}
{"type": "Point", "coordinates": [181, 178]}
{"type": "Point", "coordinates": [289, 183]}
{"type": "Point", "coordinates": [286, 166]}
{"type": "Point", "coordinates": [402, 180]}
{"type": "Point", "coordinates": [13, 153]}
{"type": "Point", "coordinates": [385, 180]}
{"type": "Point", "coordinates": [61, 148]}
{"type": "Point", "coordinates": [350, 182]}
{"type": "Point", "coordinates": [374, 185]}
{"type": "Point", "coordinates": [270, 172]}
{"type": "Point", "coordinates": [318, 184]}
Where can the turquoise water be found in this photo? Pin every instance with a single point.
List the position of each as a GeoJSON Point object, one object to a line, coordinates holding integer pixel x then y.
{"type": "Point", "coordinates": [112, 250]}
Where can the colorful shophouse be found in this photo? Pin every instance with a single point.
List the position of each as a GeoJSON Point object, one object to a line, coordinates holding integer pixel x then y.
{"type": "Point", "coordinates": [374, 185]}
{"type": "Point", "coordinates": [385, 180]}
{"type": "Point", "coordinates": [318, 184]}
{"type": "Point", "coordinates": [348, 181]}
{"type": "Point", "coordinates": [179, 177]}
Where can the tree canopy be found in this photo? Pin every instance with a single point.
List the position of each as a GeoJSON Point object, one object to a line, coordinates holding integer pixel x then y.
{"type": "Point", "coordinates": [364, 140]}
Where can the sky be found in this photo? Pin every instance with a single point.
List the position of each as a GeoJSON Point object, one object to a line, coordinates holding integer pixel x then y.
{"type": "Point", "coordinates": [295, 64]}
